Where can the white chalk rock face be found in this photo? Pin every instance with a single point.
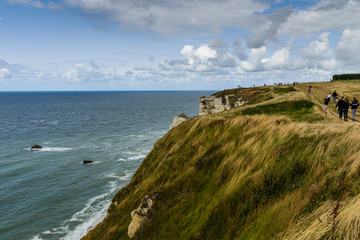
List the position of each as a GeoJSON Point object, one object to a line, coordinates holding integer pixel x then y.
{"type": "Point", "coordinates": [214, 104]}
{"type": "Point", "coordinates": [178, 119]}
{"type": "Point", "coordinates": [141, 215]}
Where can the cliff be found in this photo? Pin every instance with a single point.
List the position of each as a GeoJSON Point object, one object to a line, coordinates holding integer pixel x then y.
{"type": "Point", "coordinates": [231, 98]}
{"type": "Point", "coordinates": [273, 169]}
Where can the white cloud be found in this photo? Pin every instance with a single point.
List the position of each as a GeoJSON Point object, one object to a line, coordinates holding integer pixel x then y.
{"type": "Point", "coordinates": [5, 73]}
{"type": "Point", "coordinates": [89, 72]}
{"type": "Point", "coordinates": [317, 50]}
{"type": "Point", "coordinates": [279, 60]}
{"type": "Point", "coordinates": [204, 53]}
{"type": "Point", "coordinates": [254, 62]}
{"type": "Point", "coordinates": [170, 17]}
{"type": "Point", "coordinates": [348, 47]}
{"type": "Point", "coordinates": [33, 3]}
{"type": "Point", "coordinates": [326, 15]}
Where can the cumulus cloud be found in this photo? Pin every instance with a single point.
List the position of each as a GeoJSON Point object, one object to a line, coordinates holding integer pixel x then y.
{"type": "Point", "coordinates": [326, 15]}
{"type": "Point", "coordinates": [348, 47]}
{"type": "Point", "coordinates": [254, 61]}
{"type": "Point", "coordinates": [279, 60]}
{"type": "Point", "coordinates": [317, 50]}
{"type": "Point", "coordinates": [202, 55]}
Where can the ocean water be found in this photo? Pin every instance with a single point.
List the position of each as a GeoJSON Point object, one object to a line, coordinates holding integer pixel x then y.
{"type": "Point", "coordinates": [51, 194]}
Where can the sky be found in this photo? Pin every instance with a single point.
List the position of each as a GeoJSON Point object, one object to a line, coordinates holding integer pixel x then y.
{"type": "Point", "coordinates": [82, 45]}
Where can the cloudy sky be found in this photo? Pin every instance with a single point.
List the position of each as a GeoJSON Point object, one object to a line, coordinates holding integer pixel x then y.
{"type": "Point", "coordinates": [174, 44]}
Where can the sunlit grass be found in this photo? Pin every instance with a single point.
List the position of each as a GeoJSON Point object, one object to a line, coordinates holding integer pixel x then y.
{"type": "Point", "coordinates": [269, 170]}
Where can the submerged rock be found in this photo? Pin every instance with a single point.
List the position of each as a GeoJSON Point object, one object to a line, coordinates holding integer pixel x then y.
{"type": "Point", "coordinates": [87, 161]}
{"type": "Point", "coordinates": [141, 215]}
{"type": "Point", "coordinates": [36, 147]}
{"type": "Point", "coordinates": [178, 119]}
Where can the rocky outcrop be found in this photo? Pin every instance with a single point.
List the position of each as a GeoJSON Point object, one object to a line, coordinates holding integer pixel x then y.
{"type": "Point", "coordinates": [215, 104]}
{"type": "Point", "coordinates": [141, 215]}
{"type": "Point", "coordinates": [36, 147]}
{"type": "Point", "coordinates": [232, 98]}
{"type": "Point", "coordinates": [178, 119]}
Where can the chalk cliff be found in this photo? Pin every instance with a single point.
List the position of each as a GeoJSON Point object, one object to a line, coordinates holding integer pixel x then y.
{"type": "Point", "coordinates": [228, 99]}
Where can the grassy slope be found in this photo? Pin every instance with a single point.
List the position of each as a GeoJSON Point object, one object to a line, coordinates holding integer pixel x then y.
{"type": "Point", "coordinates": [240, 175]}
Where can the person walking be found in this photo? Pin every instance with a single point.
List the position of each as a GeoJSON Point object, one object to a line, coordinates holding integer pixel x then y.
{"type": "Point", "coordinates": [340, 105]}
{"type": "Point", "coordinates": [326, 103]}
{"type": "Point", "coordinates": [354, 104]}
{"type": "Point", "coordinates": [346, 109]}
{"type": "Point", "coordinates": [334, 95]}
{"type": "Point", "coordinates": [309, 89]}
{"type": "Point", "coordinates": [329, 96]}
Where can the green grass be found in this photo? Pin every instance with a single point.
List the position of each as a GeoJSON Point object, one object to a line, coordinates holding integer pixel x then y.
{"type": "Point", "coordinates": [301, 110]}
{"type": "Point", "coordinates": [283, 90]}
{"type": "Point", "coordinates": [243, 174]}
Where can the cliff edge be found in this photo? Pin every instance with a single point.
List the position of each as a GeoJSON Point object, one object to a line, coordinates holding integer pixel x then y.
{"type": "Point", "coordinates": [272, 169]}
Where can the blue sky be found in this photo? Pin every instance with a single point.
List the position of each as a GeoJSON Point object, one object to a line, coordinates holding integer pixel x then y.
{"type": "Point", "coordinates": [173, 44]}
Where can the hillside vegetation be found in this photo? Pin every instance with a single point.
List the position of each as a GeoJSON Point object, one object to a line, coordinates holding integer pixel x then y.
{"type": "Point", "coordinates": [279, 169]}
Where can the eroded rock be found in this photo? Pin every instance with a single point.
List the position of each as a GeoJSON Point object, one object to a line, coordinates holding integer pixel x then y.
{"type": "Point", "coordinates": [141, 215]}
{"type": "Point", "coordinates": [36, 147]}
{"type": "Point", "coordinates": [178, 119]}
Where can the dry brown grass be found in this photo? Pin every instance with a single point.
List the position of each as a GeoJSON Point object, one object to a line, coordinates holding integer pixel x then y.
{"type": "Point", "coordinates": [328, 222]}
{"type": "Point", "coordinates": [260, 176]}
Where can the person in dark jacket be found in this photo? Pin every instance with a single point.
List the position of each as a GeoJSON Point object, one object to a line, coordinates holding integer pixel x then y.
{"type": "Point", "coordinates": [354, 104]}
{"type": "Point", "coordinates": [326, 103]}
{"type": "Point", "coordinates": [346, 109]}
{"type": "Point", "coordinates": [340, 105]}
{"type": "Point", "coordinates": [334, 95]}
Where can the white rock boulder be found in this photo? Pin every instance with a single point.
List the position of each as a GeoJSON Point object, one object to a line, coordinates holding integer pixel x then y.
{"type": "Point", "coordinates": [178, 119]}
{"type": "Point", "coordinates": [141, 215]}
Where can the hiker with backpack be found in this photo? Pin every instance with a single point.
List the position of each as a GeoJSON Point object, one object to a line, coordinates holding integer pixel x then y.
{"type": "Point", "coordinates": [354, 104]}
{"type": "Point", "coordinates": [326, 103]}
{"type": "Point", "coordinates": [334, 95]}
{"type": "Point", "coordinates": [340, 106]}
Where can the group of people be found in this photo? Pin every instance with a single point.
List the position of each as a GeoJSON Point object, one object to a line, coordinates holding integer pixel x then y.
{"type": "Point", "coordinates": [342, 105]}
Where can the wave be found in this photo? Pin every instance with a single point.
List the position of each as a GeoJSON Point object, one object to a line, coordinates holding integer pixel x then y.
{"type": "Point", "coordinates": [92, 213]}
{"type": "Point", "coordinates": [137, 157]}
{"type": "Point", "coordinates": [50, 149]}
{"type": "Point", "coordinates": [127, 176]}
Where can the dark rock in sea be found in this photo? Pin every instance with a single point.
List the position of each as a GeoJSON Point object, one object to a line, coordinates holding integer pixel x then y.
{"type": "Point", "coordinates": [87, 161]}
{"type": "Point", "coordinates": [36, 147]}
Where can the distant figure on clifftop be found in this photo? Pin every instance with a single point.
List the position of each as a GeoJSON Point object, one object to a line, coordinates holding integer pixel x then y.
{"type": "Point", "coordinates": [340, 105]}
{"type": "Point", "coordinates": [346, 109]}
{"type": "Point", "coordinates": [334, 95]}
{"type": "Point", "coordinates": [309, 89]}
{"type": "Point", "coordinates": [354, 104]}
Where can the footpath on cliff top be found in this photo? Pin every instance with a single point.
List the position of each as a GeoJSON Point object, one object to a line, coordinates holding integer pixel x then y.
{"type": "Point", "coordinates": [275, 168]}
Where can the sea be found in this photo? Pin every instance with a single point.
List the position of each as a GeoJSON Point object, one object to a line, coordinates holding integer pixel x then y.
{"type": "Point", "coordinates": [50, 193]}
